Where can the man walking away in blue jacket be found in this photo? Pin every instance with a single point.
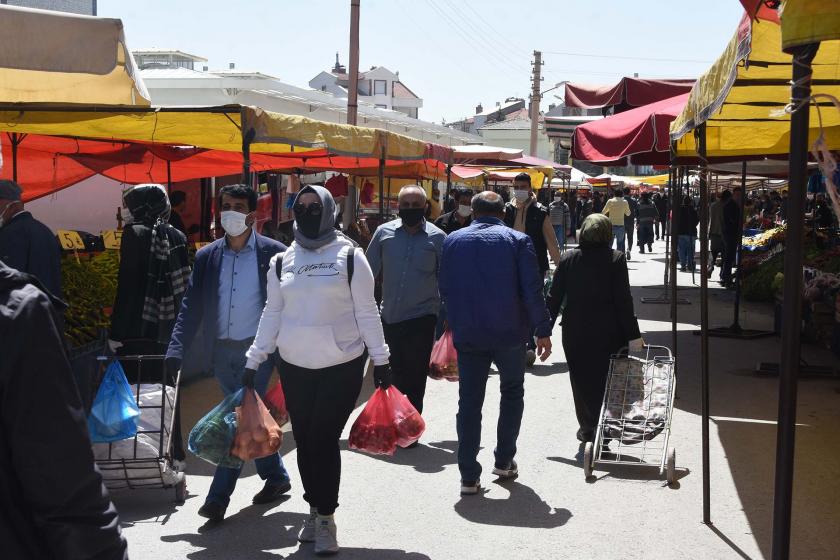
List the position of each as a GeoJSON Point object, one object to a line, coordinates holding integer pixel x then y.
{"type": "Point", "coordinates": [492, 324]}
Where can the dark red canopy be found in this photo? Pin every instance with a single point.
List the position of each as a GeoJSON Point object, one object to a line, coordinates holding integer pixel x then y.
{"type": "Point", "coordinates": [626, 94]}
{"type": "Point", "coordinates": [639, 136]}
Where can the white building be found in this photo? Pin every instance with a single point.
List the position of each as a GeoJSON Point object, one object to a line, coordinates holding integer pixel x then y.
{"type": "Point", "coordinates": [378, 86]}
{"type": "Point", "coordinates": [179, 85]}
{"type": "Point", "coordinates": [516, 133]}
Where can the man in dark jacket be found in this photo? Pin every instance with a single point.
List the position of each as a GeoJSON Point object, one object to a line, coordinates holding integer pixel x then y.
{"type": "Point", "coordinates": [661, 202]}
{"type": "Point", "coordinates": [220, 311]}
{"type": "Point", "coordinates": [54, 503]}
{"type": "Point", "coordinates": [733, 223]}
{"type": "Point", "coordinates": [459, 218]}
{"type": "Point", "coordinates": [26, 244]}
{"type": "Point", "coordinates": [491, 325]}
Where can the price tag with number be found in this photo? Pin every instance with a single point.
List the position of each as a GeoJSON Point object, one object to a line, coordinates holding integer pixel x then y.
{"type": "Point", "coordinates": [70, 240]}
{"type": "Point", "coordinates": [112, 238]}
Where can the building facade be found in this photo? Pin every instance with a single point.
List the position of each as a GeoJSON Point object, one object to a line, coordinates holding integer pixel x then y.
{"type": "Point", "coordinates": [378, 86]}
{"type": "Point", "coordinates": [83, 7]}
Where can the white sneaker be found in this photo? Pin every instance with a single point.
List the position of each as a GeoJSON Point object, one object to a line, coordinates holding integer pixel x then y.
{"type": "Point", "coordinates": [307, 532]}
{"type": "Point", "coordinates": [470, 487]}
{"type": "Point", "coordinates": [326, 541]}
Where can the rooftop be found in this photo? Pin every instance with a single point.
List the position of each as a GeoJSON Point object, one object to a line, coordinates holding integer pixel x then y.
{"type": "Point", "coordinates": [192, 57]}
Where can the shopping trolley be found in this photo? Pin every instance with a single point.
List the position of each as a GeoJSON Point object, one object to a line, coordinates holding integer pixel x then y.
{"type": "Point", "coordinates": [634, 426]}
{"type": "Point", "coordinates": [145, 460]}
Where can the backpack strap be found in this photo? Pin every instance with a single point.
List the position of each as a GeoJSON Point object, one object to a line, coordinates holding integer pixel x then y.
{"type": "Point", "coordinates": [278, 270]}
{"type": "Point", "coordinates": [351, 264]}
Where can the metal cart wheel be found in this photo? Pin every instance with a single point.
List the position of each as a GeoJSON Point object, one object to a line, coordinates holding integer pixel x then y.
{"type": "Point", "coordinates": [587, 459]}
{"type": "Point", "coordinates": [671, 466]}
{"type": "Point", "coordinates": [181, 491]}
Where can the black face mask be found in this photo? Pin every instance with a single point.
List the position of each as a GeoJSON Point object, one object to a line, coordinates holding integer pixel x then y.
{"type": "Point", "coordinates": [308, 219]}
{"type": "Point", "coordinates": [411, 216]}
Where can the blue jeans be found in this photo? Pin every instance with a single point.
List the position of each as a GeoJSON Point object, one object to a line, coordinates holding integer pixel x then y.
{"type": "Point", "coordinates": [685, 247]}
{"type": "Point", "coordinates": [228, 364]}
{"type": "Point", "coordinates": [560, 232]}
{"type": "Point", "coordinates": [618, 235]}
{"type": "Point", "coordinates": [473, 369]}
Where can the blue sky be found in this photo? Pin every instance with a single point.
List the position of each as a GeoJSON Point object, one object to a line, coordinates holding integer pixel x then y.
{"type": "Point", "coordinates": [452, 53]}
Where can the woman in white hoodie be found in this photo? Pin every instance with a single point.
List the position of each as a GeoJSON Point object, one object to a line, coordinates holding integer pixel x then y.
{"type": "Point", "coordinates": [322, 318]}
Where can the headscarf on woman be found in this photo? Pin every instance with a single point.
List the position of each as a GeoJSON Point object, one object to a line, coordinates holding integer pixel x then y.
{"type": "Point", "coordinates": [596, 231]}
{"type": "Point", "coordinates": [326, 232]}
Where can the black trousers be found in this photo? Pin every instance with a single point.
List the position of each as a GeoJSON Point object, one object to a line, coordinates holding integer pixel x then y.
{"type": "Point", "coordinates": [656, 227]}
{"type": "Point", "coordinates": [410, 343]}
{"type": "Point", "coordinates": [588, 368]}
{"type": "Point", "coordinates": [628, 231]}
{"type": "Point", "coordinates": [320, 403]}
{"type": "Point", "coordinates": [730, 250]}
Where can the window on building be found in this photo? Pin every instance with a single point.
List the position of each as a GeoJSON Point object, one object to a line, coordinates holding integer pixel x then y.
{"type": "Point", "coordinates": [380, 87]}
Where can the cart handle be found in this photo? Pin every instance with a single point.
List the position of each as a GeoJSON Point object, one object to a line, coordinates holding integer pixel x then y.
{"type": "Point", "coordinates": [624, 350]}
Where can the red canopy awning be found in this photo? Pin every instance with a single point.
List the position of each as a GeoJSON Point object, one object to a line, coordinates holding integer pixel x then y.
{"type": "Point", "coordinates": [639, 136]}
{"type": "Point", "coordinates": [626, 94]}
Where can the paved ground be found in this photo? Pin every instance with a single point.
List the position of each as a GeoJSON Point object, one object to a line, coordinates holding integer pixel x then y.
{"type": "Point", "coordinates": [408, 507]}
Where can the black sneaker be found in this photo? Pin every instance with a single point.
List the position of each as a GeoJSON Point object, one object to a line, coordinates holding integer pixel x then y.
{"type": "Point", "coordinates": [506, 471]}
{"type": "Point", "coordinates": [470, 487]}
{"type": "Point", "coordinates": [271, 492]}
{"type": "Point", "coordinates": [212, 511]}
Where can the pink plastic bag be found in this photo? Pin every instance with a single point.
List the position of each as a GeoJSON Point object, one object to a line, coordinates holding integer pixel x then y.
{"type": "Point", "coordinates": [275, 401]}
{"type": "Point", "coordinates": [443, 363]}
{"type": "Point", "coordinates": [410, 425]}
{"type": "Point", "coordinates": [375, 431]}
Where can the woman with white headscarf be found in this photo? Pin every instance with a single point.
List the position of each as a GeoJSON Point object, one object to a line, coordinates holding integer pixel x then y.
{"type": "Point", "coordinates": [322, 318]}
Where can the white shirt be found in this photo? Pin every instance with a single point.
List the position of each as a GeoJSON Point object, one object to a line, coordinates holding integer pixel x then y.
{"type": "Point", "coordinates": [314, 317]}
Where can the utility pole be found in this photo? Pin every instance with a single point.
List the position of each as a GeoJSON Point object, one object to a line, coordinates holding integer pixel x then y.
{"type": "Point", "coordinates": [351, 205]}
{"type": "Point", "coordinates": [353, 94]}
{"type": "Point", "coordinates": [536, 80]}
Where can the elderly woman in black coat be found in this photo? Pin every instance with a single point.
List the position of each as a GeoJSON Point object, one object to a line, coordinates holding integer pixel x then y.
{"type": "Point", "coordinates": [591, 291]}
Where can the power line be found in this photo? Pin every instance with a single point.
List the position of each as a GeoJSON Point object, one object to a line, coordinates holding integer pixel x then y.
{"type": "Point", "coordinates": [515, 48]}
{"type": "Point", "coordinates": [650, 59]}
{"type": "Point", "coordinates": [471, 40]}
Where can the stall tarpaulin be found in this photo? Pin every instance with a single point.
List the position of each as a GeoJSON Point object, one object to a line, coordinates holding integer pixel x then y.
{"type": "Point", "coordinates": [637, 136]}
{"type": "Point", "coordinates": [809, 21]}
{"type": "Point", "coordinates": [741, 98]}
{"type": "Point", "coordinates": [474, 152]}
{"type": "Point", "coordinates": [60, 58]}
{"type": "Point", "coordinates": [627, 93]}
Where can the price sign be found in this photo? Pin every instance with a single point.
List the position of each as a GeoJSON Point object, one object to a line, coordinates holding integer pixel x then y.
{"type": "Point", "coordinates": [70, 240]}
{"type": "Point", "coordinates": [200, 244]}
{"type": "Point", "coordinates": [112, 238]}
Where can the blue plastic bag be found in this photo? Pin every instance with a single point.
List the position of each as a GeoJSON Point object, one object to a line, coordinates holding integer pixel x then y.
{"type": "Point", "coordinates": [212, 437]}
{"type": "Point", "coordinates": [114, 413]}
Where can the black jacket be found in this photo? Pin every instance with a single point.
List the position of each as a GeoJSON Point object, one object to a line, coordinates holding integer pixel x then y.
{"type": "Point", "coordinates": [135, 250]}
{"type": "Point", "coordinates": [53, 502]}
{"type": "Point", "coordinates": [534, 219]}
{"type": "Point", "coordinates": [732, 220]}
{"type": "Point", "coordinates": [449, 222]}
{"type": "Point", "coordinates": [593, 288]}
{"type": "Point", "coordinates": [29, 246]}
{"type": "Point", "coordinates": [688, 221]}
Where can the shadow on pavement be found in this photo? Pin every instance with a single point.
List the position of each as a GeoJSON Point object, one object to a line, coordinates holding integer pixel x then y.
{"type": "Point", "coordinates": [306, 551]}
{"type": "Point", "coordinates": [238, 536]}
{"type": "Point", "coordinates": [427, 457]}
{"type": "Point", "coordinates": [523, 508]}
{"type": "Point", "coordinates": [729, 543]}
{"type": "Point", "coordinates": [544, 370]}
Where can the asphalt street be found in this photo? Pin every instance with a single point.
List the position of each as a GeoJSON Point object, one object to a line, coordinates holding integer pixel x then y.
{"type": "Point", "coordinates": [408, 507]}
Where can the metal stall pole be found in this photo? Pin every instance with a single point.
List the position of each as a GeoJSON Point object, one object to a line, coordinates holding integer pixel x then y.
{"type": "Point", "coordinates": [792, 304]}
{"type": "Point", "coordinates": [704, 321]}
{"type": "Point", "coordinates": [381, 177]}
{"type": "Point", "coordinates": [448, 186]}
{"type": "Point", "coordinates": [247, 138]}
{"type": "Point", "coordinates": [168, 177]}
{"type": "Point", "coordinates": [735, 330]}
{"type": "Point", "coordinates": [13, 137]}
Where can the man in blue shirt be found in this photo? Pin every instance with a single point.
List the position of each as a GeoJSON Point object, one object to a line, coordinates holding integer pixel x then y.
{"type": "Point", "coordinates": [220, 312]}
{"type": "Point", "coordinates": [407, 254]}
{"type": "Point", "coordinates": [492, 324]}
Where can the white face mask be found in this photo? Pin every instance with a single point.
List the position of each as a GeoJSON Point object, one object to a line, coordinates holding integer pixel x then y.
{"type": "Point", "coordinates": [233, 222]}
{"type": "Point", "coordinates": [464, 210]}
{"type": "Point", "coordinates": [521, 194]}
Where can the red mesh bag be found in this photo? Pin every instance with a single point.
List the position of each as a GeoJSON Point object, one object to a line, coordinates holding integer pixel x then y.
{"type": "Point", "coordinates": [257, 434]}
{"type": "Point", "coordinates": [375, 431]}
{"type": "Point", "coordinates": [443, 363]}
{"type": "Point", "coordinates": [275, 400]}
{"type": "Point", "coordinates": [410, 425]}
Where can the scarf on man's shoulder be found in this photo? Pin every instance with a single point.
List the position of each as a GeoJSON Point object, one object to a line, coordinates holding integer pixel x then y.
{"type": "Point", "coordinates": [166, 281]}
